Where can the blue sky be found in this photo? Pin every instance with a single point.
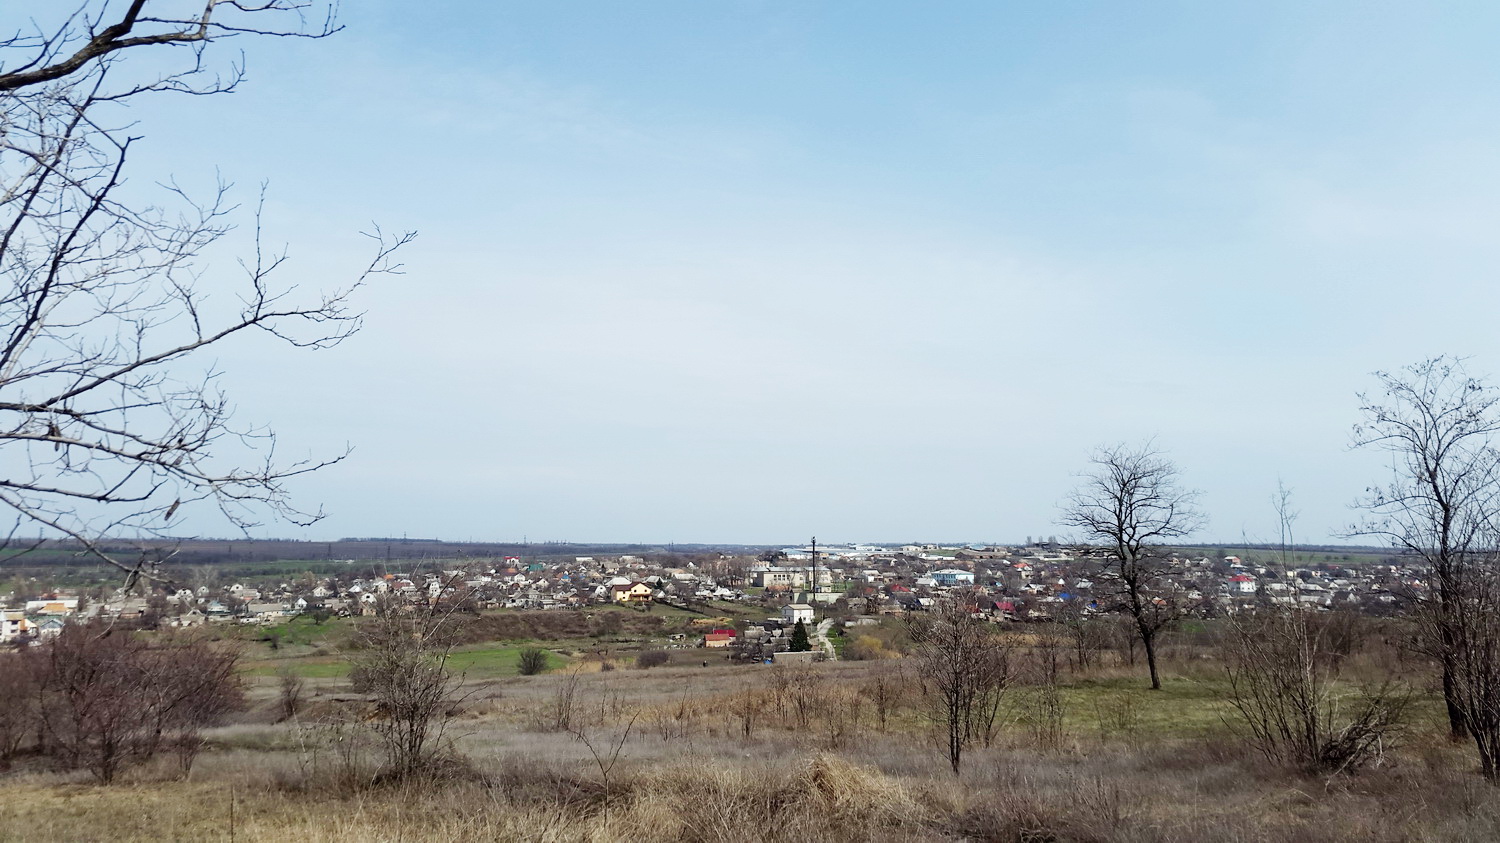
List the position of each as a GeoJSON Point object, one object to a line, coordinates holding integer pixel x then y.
{"type": "Point", "coordinates": [749, 272]}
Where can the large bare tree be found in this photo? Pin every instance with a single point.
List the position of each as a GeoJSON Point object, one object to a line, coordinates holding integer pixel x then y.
{"type": "Point", "coordinates": [1439, 424]}
{"type": "Point", "coordinates": [1128, 504]}
{"type": "Point", "coordinates": [108, 427]}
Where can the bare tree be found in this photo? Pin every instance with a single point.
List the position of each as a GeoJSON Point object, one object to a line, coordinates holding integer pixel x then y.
{"type": "Point", "coordinates": [1471, 626]}
{"type": "Point", "coordinates": [1129, 504]}
{"type": "Point", "coordinates": [18, 716]}
{"type": "Point", "coordinates": [964, 666]}
{"type": "Point", "coordinates": [1284, 685]}
{"type": "Point", "coordinates": [402, 665]}
{"type": "Point", "coordinates": [104, 297]}
{"type": "Point", "coordinates": [885, 690]}
{"type": "Point", "coordinates": [1438, 423]}
{"type": "Point", "coordinates": [289, 686]}
{"type": "Point", "coordinates": [606, 752]}
{"type": "Point", "coordinates": [1086, 634]}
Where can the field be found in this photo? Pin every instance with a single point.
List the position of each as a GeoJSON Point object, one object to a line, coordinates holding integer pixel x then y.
{"type": "Point", "coordinates": [723, 752]}
{"type": "Point", "coordinates": [1352, 557]}
{"type": "Point", "coordinates": [493, 641]}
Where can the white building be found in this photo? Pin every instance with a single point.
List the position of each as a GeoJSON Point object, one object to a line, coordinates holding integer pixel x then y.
{"type": "Point", "coordinates": [52, 606]}
{"type": "Point", "coordinates": [13, 625]}
{"type": "Point", "coordinates": [789, 576]}
{"type": "Point", "coordinates": [793, 612]}
{"type": "Point", "coordinates": [953, 576]}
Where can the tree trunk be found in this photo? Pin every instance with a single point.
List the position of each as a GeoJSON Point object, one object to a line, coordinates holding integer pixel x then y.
{"type": "Point", "coordinates": [1148, 641]}
{"type": "Point", "coordinates": [1458, 729]}
{"type": "Point", "coordinates": [955, 741]}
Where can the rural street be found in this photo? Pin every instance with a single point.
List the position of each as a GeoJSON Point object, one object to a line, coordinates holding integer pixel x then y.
{"type": "Point", "coordinates": [820, 637]}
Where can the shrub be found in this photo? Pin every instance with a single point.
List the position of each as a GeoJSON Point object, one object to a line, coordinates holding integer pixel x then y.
{"type": "Point", "coordinates": [866, 648]}
{"type": "Point", "coordinates": [1282, 665]}
{"type": "Point", "coordinates": [532, 661]}
{"type": "Point", "coordinates": [108, 698]}
{"type": "Point", "coordinates": [402, 666]}
{"type": "Point", "coordinates": [289, 685]}
{"type": "Point", "coordinates": [652, 658]}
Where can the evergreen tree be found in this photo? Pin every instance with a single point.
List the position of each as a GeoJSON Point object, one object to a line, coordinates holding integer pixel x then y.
{"type": "Point", "coordinates": [800, 642]}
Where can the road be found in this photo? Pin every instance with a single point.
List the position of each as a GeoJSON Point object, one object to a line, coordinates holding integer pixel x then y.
{"type": "Point", "coordinates": [820, 638]}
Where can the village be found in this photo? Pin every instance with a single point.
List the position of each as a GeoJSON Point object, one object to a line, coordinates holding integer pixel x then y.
{"type": "Point", "coordinates": [1039, 582]}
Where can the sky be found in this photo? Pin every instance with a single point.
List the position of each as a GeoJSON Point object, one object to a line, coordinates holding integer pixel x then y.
{"type": "Point", "coordinates": [752, 272]}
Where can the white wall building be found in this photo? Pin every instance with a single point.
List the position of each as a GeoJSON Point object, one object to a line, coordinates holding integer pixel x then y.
{"type": "Point", "coordinates": [793, 612]}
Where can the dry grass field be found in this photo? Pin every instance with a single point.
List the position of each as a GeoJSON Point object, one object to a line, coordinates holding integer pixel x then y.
{"type": "Point", "coordinates": [742, 753]}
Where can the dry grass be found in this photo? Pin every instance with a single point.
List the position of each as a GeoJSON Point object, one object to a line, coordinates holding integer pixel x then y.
{"type": "Point", "coordinates": [813, 765]}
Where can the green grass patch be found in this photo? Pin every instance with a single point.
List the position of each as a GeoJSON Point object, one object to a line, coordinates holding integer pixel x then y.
{"type": "Point", "coordinates": [484, 661]}
{"type": "Point", "coordinates": [1182, 708]}
{"type": "Point", "coordinates": [491, 661]}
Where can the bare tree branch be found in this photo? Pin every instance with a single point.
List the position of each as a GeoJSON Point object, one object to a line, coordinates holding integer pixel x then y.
{"type": "Point", "coordinates": [105, 429]}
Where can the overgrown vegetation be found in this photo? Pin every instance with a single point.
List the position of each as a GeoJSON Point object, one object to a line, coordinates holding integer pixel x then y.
{"type": "Point", "coordinates": [104, 700]}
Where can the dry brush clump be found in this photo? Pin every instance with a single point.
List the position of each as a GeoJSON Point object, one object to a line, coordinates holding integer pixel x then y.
{"type": "Point", "coordinates": [102, 700]}
{"type": "Point", "coordinates": [1283, 666]}
{"type": "Point", "coordinates": [402, 667]}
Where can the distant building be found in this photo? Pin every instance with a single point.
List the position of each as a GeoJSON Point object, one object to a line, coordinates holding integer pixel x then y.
{"type": "Point", "coordinates": [788, 576]}
{"type": "Point", "coordinates": [13, 626]}
{"type": "Point", "coordinates": [635, 592]}
{"type": "Point", "coordinates": [52, 606]}
{"type": "Point", "coordinates": [719, 638]}
{"type": "Point", "coordinates": [793, 612]}
{"type": "Point", "coordinates": [953, 576]}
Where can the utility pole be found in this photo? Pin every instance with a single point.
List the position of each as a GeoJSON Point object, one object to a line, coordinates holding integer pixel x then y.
{"type": "Point", "coordinates": [814, 600]}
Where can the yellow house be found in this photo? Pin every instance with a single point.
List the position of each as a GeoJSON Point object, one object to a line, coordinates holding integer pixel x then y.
{"type": "Point", "coordinates": [634, 593]}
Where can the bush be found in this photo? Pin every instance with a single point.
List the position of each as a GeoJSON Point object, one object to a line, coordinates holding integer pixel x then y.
{"type": "Point", "coordinates": [1283, 671]}
{"type": "Point", "coordinates": [866, 648]}
{"type": "Point", "coordinates": [402, 665]}
{"type": "Point", "coordinates": [108, 698]}
{"type": "Point", "coordinates": [652, 658]}
{"type": "Point", "coordinates": [532, 661]}
{"type": "Point", "coordinates": [290, 687]}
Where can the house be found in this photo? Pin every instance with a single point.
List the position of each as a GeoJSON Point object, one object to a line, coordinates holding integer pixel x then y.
{"type": "Point", "coordinates": [718, 638]}
{"type": "Point", "coordinates": [52, 606]}
{"type": "Point", "coordinates": [264, 612]}
{"type": "Point", "coordinates": [48, 627]}
{"type": "Point", "coordinates": [192, 617]}
{"type": "Point", "coordinates": [794, 612]}
{"type": "Point", "coordinates": [14, 626]}
{"type": "Point", "coordinates": [635, 592]}
{"type": "Point", "coordinates": [952, 577]}
{"type": "Point", "coordinates": [1242, 584]}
